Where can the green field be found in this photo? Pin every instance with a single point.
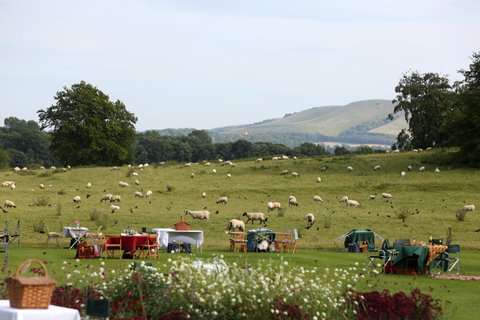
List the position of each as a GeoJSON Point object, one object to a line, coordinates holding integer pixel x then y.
{"type": "Point", "coordinates": [432, 197]}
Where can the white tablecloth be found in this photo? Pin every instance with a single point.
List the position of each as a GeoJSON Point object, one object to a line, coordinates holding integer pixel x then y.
{"type": "Point", "coordinates": [167, 236]}
{"type": "Point", "coordinates": [73, 232]}
{"type": "Point", "coordinates": [52, 313]}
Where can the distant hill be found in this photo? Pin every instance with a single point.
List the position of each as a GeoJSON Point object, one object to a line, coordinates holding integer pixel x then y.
{"type": "Point", "coordinates": [361, 122]}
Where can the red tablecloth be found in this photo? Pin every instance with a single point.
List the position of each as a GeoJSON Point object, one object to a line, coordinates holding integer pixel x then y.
{"type": "Point", "coordinates": [129, 243]}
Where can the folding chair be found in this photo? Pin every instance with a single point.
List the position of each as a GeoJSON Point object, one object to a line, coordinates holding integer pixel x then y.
{"type": "Point", "coordinates": [386, 254]}
{"type": "Point", "coordinates": [98, 308]}
{"type": "Point", "coordinates": [4, 242]}
{"type": "Point", "coordinates": [240, 239]}
{"type": "Point", "coordinates": [292, 242]}
{"type": "Point", "coordinates": [281, 241]}
{"type": "Point", "coordinates": [14, 236]}
{"type": "Point", "coordinates": [112, 243]}
{"type": "Point", "coordinates": [52, 235]}
{"type": "Point", "coordinates": [453, 256]}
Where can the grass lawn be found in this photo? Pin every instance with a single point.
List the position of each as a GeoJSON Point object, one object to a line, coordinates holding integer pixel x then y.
{"type": "Point", "coordinates": [459, 298]}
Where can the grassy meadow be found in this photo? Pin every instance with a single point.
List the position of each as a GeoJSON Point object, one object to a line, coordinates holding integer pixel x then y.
{"type": "Point", "coordinates": [431, 199]}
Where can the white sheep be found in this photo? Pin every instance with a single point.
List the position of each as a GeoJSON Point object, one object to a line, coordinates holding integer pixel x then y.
{"type": "Point", "coordinates": [386, 196]}
{"type": "Point", "coordinates": [323, 169]}
{"type": "Point", "coordinates": [89, 185]}
{"type": "Point", "coordinates": [421, 169]}
{"type": "Point", "coordinates": [204, 194]}
{"type": "Point", "coordinates": [310, 219]}
{"type": "Point", "coordinates": [273, 205]}
{"type": "Point", "coordinates": [114, 208]}
{"type": "Point", "coordinates": [437, 170]}
{"type": "Point", "coordinates": [223, 200]}
{"type": "Point", "coordinates": [229, 175]}
{"type": "Point", "coordinates": [319, 179]}
{"type": "Point", "coordinates": [135, 174]}
{"type": "Point", "coordinates": [13, 186]}
{"type": "Point", "coordinates": [115, 198]}
{"type": "Point", "coordinates": [258, 160]}
{"type": "Point", "coordinates": [284, 172]}
{"type": "Point", "coordinates": [292, 201]}
{"type": "Point", "coordinates": [349, 168]}
{"type": "Point", "coordinates": [7, 183]}
{"type": "Point", "coordinates": [17, 169]}
{"type": "Point", "coordinates": [138, 194]}
{"type": "Point", "coordinates": [123, 184]}
{"type": "Point", "coordinates": [402, 174]}
{"type": "Point", "coordinates": [77, 199]}
{"type": "Point", "coordinates": [317, 198]}
{"type": "Point", "coordinates": [236, 224]}
{"type": "Point", "coordinates": [41, 186]}
{"type": "Point", "coordinates": [198, 214]}
{"type": "Point", "coordinates": [9, 204]}
{"type": "Point", "coordinates": [106, 197]}
{"type": "Point", "coordinates": [372, 197]}
{"type": "Point", "coordinates": [377, 167]}
{"type": "Point", "coordinates": [468, 207]}
{"type": "Point", "coordinates": [251, 216]}
{"type": "Point", "coordinates": [295, 174]}
{"type": "Point", "coordinates": [352, 203]}
{"type": "Point", "coordinates": [409, 168]}
{"type": "Point", "coordinates": [192, 175]}
{"type": "Point", "coordinates": [148, 194]}
{"type": "Point", "coordinates": [214, 170]}
{"type": "Point", "coordinates": [343, 199]}
{"type": "Point", "coordinates": [137, 182]}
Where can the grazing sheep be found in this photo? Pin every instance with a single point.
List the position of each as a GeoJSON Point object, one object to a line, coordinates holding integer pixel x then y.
{"type": "Point", "coordinates": [148, 194]}
{"type": "Point", "coordinates": [77, 199]}
{"type": "Point", "coordinates": [204, 194]}
{"type": "Point", "coordinates": [7, 183]}
{"type": "Point", "coordinates": [123, 184]}
{"type": "Point", "coordinates": [258, 160]}
{"type": "Point", "coordinates": [437, 170]}
{"type": "Point", "coordinates": [295, 174]}
{"type": "Point", "coordinates": [9, 204]}
{"type": "Point", "coordinates": [114, 208]}
{"type": "Point", "coordinates": [207, 163]}
{"type": "Point", "coordinates": [214, 170]}
{"type": "Point", "coordinates": [41, 186]}
{"type": "Point", "coordinates": [317, 198]}
{"type": "Point", "coordinates": [284, 157]}
{"type": "Point", "coordinates": [310, 220]}
{"type": "Point", "coordinates": [236, 224]}
{"type": "Point", "coordinates": [138, 194]}
{"type": "Point", "coordinates": [421, 169]}
{"type": "Point", "coordinates": [251, 216]}
{"type": "Point", "coordinates": [284, 172]}
{"type": "Point", "coordinates": [223, 200]}
{"type": "Point", "coordinates": [106, 197]}
{"type": "Point", "coordinates": [17, 169]}
{"type": "Point", "coordinates": [192, 175]}
{"type": "Point", "coordinates": [53, 168]}
{"type": "Point", "coordinates": [13, 186]}
{"type": "Point", "coordinates": [323, 169]}
{"type": "Point", "coordinates": [135, 174]}
{"type": "Point", "coordinates": [89, 185]}
{"type": "Point", "coordinates": [273, 205]}
{"type": "Point", "coordinates": [292, 201]}
{"type": "Point", "coordinates": [372, 197]}
{"type": "Point", "coordinates": [343, 199]}
{"type": "Point", "coordinates": [402, 174]}
{"type": "Point", "coordinates": [137, 182]}
{"type": "Point", "coordinates": [349, 168]}
{"type": "Point", "coordinates": [198, 214]}
{"type": "Point", "coordinates": [409, 168]}
{"type": "Point", "coordinates": [386, 196]}
{"type": "Point", "coordinates": [352, 203]}
{"type": "Point", "coordinates": [319, 179]}
{"type": "Point", "coordinates": [377, 167]}
{"type": "Point", "coordinates": [468, 207]}
{"type": "Point", "coordinates": [115, 198]}
{"type": "Point", "coordinates": [229, 175]}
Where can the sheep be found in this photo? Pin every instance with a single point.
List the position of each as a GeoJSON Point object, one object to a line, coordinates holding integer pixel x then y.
{"type": "Point", "coordinates": [292, 201]}
{"type": "Point", "coordinates": [135, 174]}
{"type": "Point", "coordinates": [402, 174]}
{"type": "Point", "coordinates": [214, 170]}
{"type": "Point", "coordinates": [229, 175]}
{"type": "Point", "coordinates": [323, 169]}
{"type": "Point", "coordinates": [295, 174]}
{"type": "Point", "coordinates": [138, 194]}
{"type": "Point", "coordinates": [9, 204]}
{"type": "Point", "coordinates": [41, 186]}
{"type": "Point", "coordinates": [284, 172]}
{"type": "Point", "coordinates": [409, 168]}
{"type": "Point", "coordinates": [235, 223]}
{"type": "Point", "coordinates": [204, 194]}
{"type": "Point", "coordinates": [372, 197]}
{"type": "Point", "coordinates": [377, 167]}
{"type": "Point", "coordinates": [13, 186]}
{"type": "Point", "coordinates": [421, 169]}
{"type": "Point", "coordinates": [317, 198]}
{"type": "Point", "coordinates": [198, 214]}
{"type": "Point", "coordinates": [437, 170]}
{"type": "Point", "coordinates": [352, 203]}
{"type": "Point", "coordinates": [223, 200]}
{"type": "Point", "coordinates": [123, 184]}
{"type": "Point", "coordinates": [251, 216]}
{"type": "Point", "coordinates": [137, 182]}
{"type": "Point", "coordinates": [77, 199]}
{"type": "Point", "coordinates": [468, 207]}
{"type": "Point", "coordinates": [106, 197]}
{"type": "Point", "coordinates": [349, 168]}
{"type": "Point", "coordinates": [7, 183]}
{"type": "Point", "coordinates": [17, 169]}
{"type": "Point", "coordinates": [207, 163]}
{"type": "Point", "coordinates": [284, 157]}
{"type": "Point", "coordinates": [273, 205]}
{"type": "Point", "coordinates": [386, 196]}
{"type": "Point", "coordinates": [319, 179]}
{"type": "Point", "coordinates": [53, 168]}
{"type": "Point", "coordinates": [192, 175]}
{"type": "Point", "coordinates": [310, 220]}
{"type": "Point", "coordinates": [343, 199]}
{"type": "Point", "coordinates": [115, 198]}
{"type": "Point", "coordinates": [89, 185]}
{"type": "Point", "coordinates": [114, 208]}
{"type": "Point", "coordinates": [148, 194]}
{"type": "Point", "coordinates": [258, 160]}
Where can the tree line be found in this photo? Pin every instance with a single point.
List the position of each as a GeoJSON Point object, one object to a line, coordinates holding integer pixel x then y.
{"type": "Point", "coordinates": [83, 127]}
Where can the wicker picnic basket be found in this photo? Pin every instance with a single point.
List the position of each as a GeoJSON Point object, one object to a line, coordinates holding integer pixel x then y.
{"type": "Point", "coordinates": [30, 292]}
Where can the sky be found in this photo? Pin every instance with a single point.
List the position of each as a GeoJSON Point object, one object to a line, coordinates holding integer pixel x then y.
{"type": "Point", "coordinates": [209, 64]}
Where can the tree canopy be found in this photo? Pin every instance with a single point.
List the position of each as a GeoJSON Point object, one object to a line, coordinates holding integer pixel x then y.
{"type": "Point", "coordinates": [88, 129]}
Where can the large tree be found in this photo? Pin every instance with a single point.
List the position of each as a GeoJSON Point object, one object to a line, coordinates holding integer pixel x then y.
{"type": "Point", "coordinates": [426, 100]}
{"type": "Point", "coordinates": [465, 120]}
{"type": "Point", "coordinates": [88, 128]}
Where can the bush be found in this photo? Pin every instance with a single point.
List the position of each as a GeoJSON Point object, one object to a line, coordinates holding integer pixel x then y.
{"type": "Point", "coordinates": [39, 226]}
{"type": "Point", "coordinates": [41, 201]}
{"type": "Point", "coordinates": [460, 215]}
{"type": "Point", "coordinates": [170, 188]}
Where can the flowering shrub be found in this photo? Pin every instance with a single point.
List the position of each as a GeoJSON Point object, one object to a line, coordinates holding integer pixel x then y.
{"type": "Point", "coordinates": [399, 306]}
